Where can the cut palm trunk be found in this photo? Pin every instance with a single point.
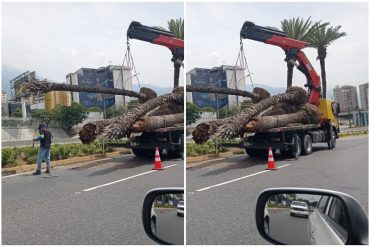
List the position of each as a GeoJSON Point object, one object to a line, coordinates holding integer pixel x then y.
{"type": "Point", "coordinates": [234, 127]}
{"type": "Point", "coordinates": [204, 131]}
{"type": "Point", "coordinates": [282, 108]}
{"type": "Point", "coordinates": [257, 95]}
{"type": "Point", "coordinates": [167, 109]}
{"type": "Point", "coordinates": [308, 114]}
{"type": "Point", "coordinates": [42, 87]}
{"type": "Point", "coordinates": [156, 122]}
{"type": "Point", "coordinates": [92, 130]}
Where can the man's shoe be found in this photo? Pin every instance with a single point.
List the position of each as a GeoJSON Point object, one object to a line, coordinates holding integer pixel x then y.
{"type": "Point", "coordinates": [37, 172]}
{"type": "Point", "coordinates": [47, 171]}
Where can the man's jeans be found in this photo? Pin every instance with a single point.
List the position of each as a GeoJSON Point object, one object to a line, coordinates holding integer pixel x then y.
{"type": "Point", "coordinates": [43, 153]}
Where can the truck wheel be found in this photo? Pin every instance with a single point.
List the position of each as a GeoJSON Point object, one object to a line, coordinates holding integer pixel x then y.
{"type": "Point", "coordinates": [296, 150]}
{"type": "Point", "coordinates": [307, 145]}
{"type": "Point", "coordinates": [333, 140]}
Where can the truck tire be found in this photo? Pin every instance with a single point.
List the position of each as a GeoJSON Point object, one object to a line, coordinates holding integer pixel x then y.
{"type": "Point", "coordinates": [296, 151]}
{"type": "Point", "coordinates": [306, 145]}
{"type": "Point", "coordinates": [332, 142]}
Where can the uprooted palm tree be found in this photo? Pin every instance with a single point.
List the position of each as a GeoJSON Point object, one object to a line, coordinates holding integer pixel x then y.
{"type": "Point", "coordinates": [43, 87]}
{"type": "Point", "coordinates": [298, 28]}
{"type": "Point", "coordinates": [321, 39]}
{"type": "Point", "coordinates": [119, 126]}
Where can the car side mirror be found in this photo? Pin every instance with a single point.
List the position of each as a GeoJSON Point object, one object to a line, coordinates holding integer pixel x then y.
{"type": "Point", "coordinates": [310, 216]}
{"type": "Point", "coordinates": [163, 215]}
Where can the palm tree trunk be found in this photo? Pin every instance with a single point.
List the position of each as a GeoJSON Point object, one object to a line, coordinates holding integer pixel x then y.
{"type": "Point", "coordinates": [119, 126]}
{"type": "Point", "coordinates": [228, 91]}
{"type": "Point", "coordinates": [155, 122]}
{"type": "Point", "coordinates": [176, 74]}
{"type": "Point", "coordinates": [167, 109]}
{"type": "Point", "coordinates": [322, 55]}
{"type": "Point", "coordinates": [39, 87]}
{"type": "Point", "coordinates": [282, 108]}
{"type": "Point", "coordinates": [289, 82]}
{"type": "Point", "coordinates": [307, 114]}
{"type": "Point", "coordinates": [234, 127]}
{"type": "Point", "coordinates": [204, 131]}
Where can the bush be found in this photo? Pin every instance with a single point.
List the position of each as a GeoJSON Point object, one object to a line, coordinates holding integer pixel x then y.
{"type": "Point", "coordinates": [12, 156]}
{"type": "Point", "coordinates": [8, 158]}
{"type": "Point", "coordinates": [32, 159]}
{"type": "Point", "coordinates": [194, 150]}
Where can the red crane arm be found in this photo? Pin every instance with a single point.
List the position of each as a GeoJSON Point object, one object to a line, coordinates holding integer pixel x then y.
{"type": "Point", "coordinates": [157, 36]}
{"type": "Point", "coordinates": [292, 48]}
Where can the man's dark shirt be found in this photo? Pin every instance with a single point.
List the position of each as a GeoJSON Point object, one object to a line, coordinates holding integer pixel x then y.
{"type": "Point", "coordinates": [46, 141]}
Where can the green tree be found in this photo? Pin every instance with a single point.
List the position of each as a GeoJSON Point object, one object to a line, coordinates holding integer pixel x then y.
{"type": "Point", "coordinates": [192, 113]}
{"type": "Point", "coordinates": [227, 111]}
{"type": "Point", "coordinates": [70, 115]}
{"type": "Point", "coordinates": [298, 28]}
{"type": "Point", "coordinates": [112, 112]}
{"type": "Point", "coordinates": [246, 104]}
{"type": "Point", "coordinates": [17, 113]}
{"type": "Point", "coordinates": [43, 115]}
{"type": "Point", "coordinates": [132, 104]}
{"type": "Point", "coordinates": [320, 40]}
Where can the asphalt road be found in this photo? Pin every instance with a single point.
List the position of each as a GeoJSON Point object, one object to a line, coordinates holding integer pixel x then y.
{"type": "Point", "coordinates": [288, 229]}
{"type": "Point", "coordinates": [169, 226]}
{"type": "Point", "coordinates": [96, 202]}
{"type": "Point", "coordinates": [221, 194]}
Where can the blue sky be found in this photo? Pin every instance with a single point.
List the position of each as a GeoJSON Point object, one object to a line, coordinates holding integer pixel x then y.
{"type": "Point", "coordinates": [212, 39]}
{"type": "Point", "coordinates": [58, 38]}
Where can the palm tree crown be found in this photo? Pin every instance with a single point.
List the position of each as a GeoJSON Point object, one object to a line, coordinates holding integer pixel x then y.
{"type": "Point", "coordinates": [298, 28]}
{"type": "Point", "coordinates": [176, 26]}
{"type": "Point", "coordinates": [320, 40]}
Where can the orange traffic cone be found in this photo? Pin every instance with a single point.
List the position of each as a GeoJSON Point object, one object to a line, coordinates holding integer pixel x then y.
{"type": "Point", "coordinates": [157, 160]}
{"type": "Point", "coordinates": [270, 161]}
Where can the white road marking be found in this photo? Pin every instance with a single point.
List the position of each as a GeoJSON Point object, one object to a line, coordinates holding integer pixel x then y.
{"type": "Point", "coordinates": [237, 179]}
{"type": "Point", "coordinates": [124, 179]}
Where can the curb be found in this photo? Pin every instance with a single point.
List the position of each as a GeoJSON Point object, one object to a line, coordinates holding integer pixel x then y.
{"type": "Point", "coordinates": [32, 167]}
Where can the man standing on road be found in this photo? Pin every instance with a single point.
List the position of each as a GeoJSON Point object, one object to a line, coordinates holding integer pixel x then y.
{"type": "Point", "coordinates": [44, 150]}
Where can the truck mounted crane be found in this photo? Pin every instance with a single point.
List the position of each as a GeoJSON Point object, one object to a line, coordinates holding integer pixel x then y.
{"type": "Point", "coordinates": [170, 139]}
{"type": "Point", "coordinates": [293, 140]}
{"type": "Point", "coordinates": [160, 37]}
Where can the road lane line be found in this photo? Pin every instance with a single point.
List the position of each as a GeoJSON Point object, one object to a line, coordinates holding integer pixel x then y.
{"type": "Point", "coordinates": [237, 179]}
{"type": "Point", "coordinates": [124, 179]}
